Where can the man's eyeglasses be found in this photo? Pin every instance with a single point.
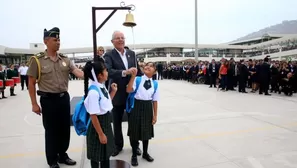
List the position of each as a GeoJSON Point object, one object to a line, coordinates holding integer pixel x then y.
{"type": "Point", "coordinates": [119, 38]}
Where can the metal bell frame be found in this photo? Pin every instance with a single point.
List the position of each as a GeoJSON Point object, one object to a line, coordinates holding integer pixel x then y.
{"type": "Point", "coordinates": [95, 29]}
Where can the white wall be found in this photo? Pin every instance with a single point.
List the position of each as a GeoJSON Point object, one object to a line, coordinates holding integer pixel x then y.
{"type": "Point", "coordinates": [37, 46]}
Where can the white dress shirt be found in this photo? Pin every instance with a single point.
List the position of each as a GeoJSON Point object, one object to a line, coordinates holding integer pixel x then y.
{"type": "Point", "coordinates": [23, 70]}
{"type": "Point", "coordinates": [142, 93]}
{"type": "Point", "coordinates": [124, 58]}
{"type": "Point", "coordinates": [97, 106]}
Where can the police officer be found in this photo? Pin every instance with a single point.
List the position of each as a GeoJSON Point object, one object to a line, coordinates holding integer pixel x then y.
{"type": "Point", "coordinates": [264, 76]}
{"type": "Point", "coordinates": [50, 70]}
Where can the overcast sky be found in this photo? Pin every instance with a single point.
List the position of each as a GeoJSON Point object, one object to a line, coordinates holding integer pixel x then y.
{"type": "Point", "coordinates": [158, 21]}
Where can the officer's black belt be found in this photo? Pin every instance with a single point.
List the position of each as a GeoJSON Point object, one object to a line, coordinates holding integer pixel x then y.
{"type": "Point", "coordinates": [48, 94]}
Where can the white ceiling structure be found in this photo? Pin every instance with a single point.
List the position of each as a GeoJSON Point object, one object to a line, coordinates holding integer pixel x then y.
{"type": "Point", "coordinates": [7, 50]}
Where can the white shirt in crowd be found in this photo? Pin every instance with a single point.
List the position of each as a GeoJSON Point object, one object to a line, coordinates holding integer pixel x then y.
{"type": "Point", "coordinates": [23, 70]}
{"type": "Point", "coordinates": [92, 103]}
{"type": "Point", "coordinates": [143, 94]}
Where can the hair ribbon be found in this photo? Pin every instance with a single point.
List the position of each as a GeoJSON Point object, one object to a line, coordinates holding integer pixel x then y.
{"type": "Point", "coordinates": [94, 76]}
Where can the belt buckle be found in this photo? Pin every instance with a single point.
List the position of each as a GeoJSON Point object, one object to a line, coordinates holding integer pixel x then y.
{"type": "Point", "coordinates": [62, 94]}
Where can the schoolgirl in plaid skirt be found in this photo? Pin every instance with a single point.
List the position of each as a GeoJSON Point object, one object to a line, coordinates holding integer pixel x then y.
{"type": "Point", "coordinates": [143, 116]}
{"type": "Point", "coordinates": [100, 143]}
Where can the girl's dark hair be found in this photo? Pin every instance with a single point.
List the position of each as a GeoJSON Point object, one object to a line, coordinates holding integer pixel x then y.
{"type": "Point", "coordinates": [98, 66]}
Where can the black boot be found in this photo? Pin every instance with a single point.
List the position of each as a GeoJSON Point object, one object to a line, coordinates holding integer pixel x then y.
{"type": "Point", "coordinates": [12, 92]}
{"type": "Point", "coordinates": [3, 97]}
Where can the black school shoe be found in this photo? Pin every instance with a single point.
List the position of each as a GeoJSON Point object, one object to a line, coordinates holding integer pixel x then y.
{"type": "Point", "coordinates": [134, 161]}
{"type": "Point", "coordinates": [147, 157]}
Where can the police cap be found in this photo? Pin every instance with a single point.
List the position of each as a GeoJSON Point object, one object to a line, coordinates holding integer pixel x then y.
{"type": "Point", "coordinates": [54, 32]}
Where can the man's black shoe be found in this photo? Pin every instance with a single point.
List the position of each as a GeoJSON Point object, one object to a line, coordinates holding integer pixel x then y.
{"type": "Point", "coordinates": [116, 152]}
{"type": "Point", "coordinates": [55, 165]}
{"type": "Point", "coordinates": [67, 161]}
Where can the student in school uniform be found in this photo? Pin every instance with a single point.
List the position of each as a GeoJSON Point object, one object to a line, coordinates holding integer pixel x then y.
{"type": "Point", "coordinates": [144, 114]}
{"type": "Point", "coordinates": [12, 73]}
{"type": "Point", "coordinates": [2, 77]}
{"type": "Point", "coordinates": [100, 140]}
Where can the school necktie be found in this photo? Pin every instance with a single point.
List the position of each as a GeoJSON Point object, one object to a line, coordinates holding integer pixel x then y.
{"type": "Point", "coordinates": [147, 84]}
{"type": "Point", "coordinates": [103, 90]}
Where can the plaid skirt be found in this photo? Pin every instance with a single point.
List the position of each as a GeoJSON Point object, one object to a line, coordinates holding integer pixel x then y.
{"type": "Point", "coordinates": [95, 150]}
{"type": "Point", "coordinates": [140, 119]}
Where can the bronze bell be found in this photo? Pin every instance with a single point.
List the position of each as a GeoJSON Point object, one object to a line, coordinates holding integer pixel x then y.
{"type": "Point", "coordinates": [129, 20]}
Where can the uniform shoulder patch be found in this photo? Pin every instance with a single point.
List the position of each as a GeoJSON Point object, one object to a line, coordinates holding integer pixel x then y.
{"type": "Point", "coordinates": [40, 54]}
{"type": "Point", "coordinates": [62, 55]}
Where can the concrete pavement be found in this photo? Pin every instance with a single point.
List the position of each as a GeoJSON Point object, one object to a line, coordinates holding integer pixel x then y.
{"type": "Point", "coordinates": [198, 127]}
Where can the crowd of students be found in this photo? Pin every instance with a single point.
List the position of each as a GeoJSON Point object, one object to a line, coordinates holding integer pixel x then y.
{"type": "Point", "coordinates": [6, 73]}
{"type": "Point", "coordinates": [262, 75]}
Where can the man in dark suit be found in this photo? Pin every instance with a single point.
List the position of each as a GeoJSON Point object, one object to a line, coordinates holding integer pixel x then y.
{"type": "Point", "coordinates": [231, 75]}
{"type": "Point", "coordinates": [160, 71]}
{"type": "Point", "coordinates": [243, 76]}
{"type": "Point", "coordinates": [213, 71]}
{"type": "Point", "coordinates": [264, 77]}
{"type": "Point", "coordinates": [121, 63]}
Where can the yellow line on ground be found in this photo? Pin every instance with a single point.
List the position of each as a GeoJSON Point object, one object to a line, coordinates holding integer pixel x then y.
{"type": "Point", "coordinates": [162, 141]}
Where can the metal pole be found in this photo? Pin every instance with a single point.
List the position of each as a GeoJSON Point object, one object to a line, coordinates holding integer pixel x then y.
{"type": "Point", "coordinates": [196, 31]}
{"type": "Point", "coordinates": [94, 33]}
{"type": "Point", "coordinates": [95, 29]}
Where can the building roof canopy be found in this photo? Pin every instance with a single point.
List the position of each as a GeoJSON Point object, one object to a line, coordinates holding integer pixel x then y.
{"type": "Point", "coordinates": [7, 50]}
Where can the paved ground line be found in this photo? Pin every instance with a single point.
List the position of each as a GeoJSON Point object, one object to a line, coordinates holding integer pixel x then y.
{"type": "Point", "coordinates": [162, 141]}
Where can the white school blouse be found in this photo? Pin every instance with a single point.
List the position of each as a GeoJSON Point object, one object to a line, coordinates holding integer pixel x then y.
{"type": "Point", "coordinates": [92, 103]}
{"type": "Point", "coordinates": [142, 93]}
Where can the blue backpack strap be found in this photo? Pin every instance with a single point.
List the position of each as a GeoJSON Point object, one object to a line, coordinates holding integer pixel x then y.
{"type": "Point", "coordinates": [130, 98]}
{"type": "Point", "coordinates": [155, 86]}
{"type": "Point", "coordinates": [138, 80]}
{"type": "Point", "coordinates": [93, 87]}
